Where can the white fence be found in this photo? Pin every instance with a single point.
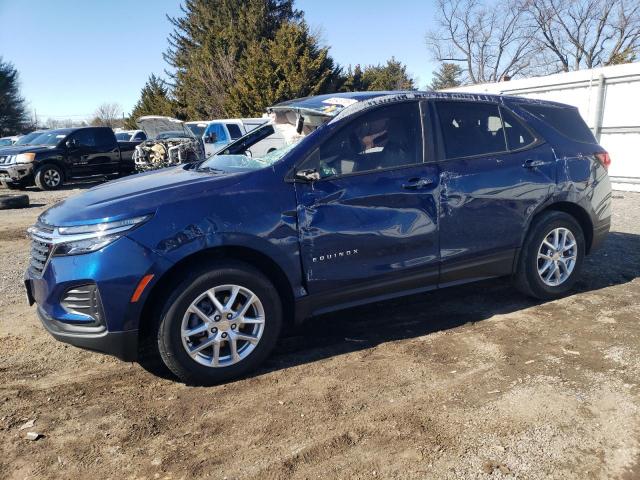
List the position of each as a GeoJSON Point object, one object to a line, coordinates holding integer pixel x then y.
{"type": "Point", "coordinates": [608, 99]}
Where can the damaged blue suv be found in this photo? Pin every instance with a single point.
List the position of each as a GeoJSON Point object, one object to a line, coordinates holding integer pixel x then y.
{"type": "Point", "coordinates": [370, 196]}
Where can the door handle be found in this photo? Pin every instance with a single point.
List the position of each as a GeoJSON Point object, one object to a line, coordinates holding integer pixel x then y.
{"type": "Point", "coordinates": [417, 183]}
{"type": "Point", "coordinates": [533, 163]}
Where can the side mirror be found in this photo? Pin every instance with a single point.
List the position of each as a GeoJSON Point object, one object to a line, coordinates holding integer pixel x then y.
{"type": "Point", "coordinates": [211, 138]}
{"type": "Point", "coordinates": [248, 153]}
{"type": "Point", "coordinates": [72, 143]}
{"type": "Point", "coordinates": [308, 175]}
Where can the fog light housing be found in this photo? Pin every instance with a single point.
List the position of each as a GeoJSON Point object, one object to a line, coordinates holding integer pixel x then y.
{"type": "Point", "coordinates": [84, 301]}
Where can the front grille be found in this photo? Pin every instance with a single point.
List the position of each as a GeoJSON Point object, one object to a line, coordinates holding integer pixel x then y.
{"type": "Point", "coordinates": [41, 247]}
{"type": "Point", "coordinates": [83, 300]}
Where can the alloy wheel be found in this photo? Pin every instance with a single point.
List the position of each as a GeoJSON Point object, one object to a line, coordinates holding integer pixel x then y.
{"type": "Point", "coordinates": [51, 178]}
{"type": "Point", "coordinates": [557, 256]}
{"type": "Point", "coordinates": [222, 326]}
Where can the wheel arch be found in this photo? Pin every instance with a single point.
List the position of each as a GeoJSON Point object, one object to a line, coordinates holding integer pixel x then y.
{"type": "Point", "coordinates": [56, 163]}
{"type": "Point", "coordinates": [249, 256]}
{"type": "Point", "coordinates": [577, 212]}
{"type": "Point", "coordinates": [570, 208]}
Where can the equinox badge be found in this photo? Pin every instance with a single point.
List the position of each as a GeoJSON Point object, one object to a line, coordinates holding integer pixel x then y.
{"type": "Point", "coordinates": [333, 256]}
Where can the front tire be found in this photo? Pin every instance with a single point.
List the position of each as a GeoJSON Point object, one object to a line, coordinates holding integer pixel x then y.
{"type": "Point", "coordinates": [551, 258]}
{"type": "Point", "coordinates": [49, 177]}
{"type": "Point", "coordinates": [219, 324]}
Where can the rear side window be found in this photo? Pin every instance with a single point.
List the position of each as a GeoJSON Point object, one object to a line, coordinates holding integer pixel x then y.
{"type": "Point", "coordinates": [470, 128]}
{"type": "Point", "coordinates": [234, 131]}
{"type": "Point", "coordinates": [517, 135]}
{"type": "Point", "coordinates": [566, 120]}
{"type": "Point", "coordinates": [104, 137]}
{"type": "Point", "coordinates": [85, 138]}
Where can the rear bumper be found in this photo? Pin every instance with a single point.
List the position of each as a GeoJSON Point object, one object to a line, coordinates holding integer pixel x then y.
{"type": "Point", "coordinates": [600, 232]}
{"type": "Point", "coordinates": [123, 345]}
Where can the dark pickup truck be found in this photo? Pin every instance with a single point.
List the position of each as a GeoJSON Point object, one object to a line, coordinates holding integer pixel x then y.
{"type": "Point", "coordinates": [58, 156]}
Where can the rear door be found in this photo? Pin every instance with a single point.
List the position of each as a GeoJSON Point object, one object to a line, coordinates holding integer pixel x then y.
{"type": "Point", "coordinates": [494, 172]}
{"type": "Point", "coordinates": [107, 155]}
{"type": "Point", "coordinates": [368, 226]}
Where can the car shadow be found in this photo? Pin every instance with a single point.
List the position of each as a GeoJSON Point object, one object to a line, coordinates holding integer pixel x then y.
{"type": "Point", "coordinates": [617, 262]}
{"type": "Point", "coordinates": [77, 185]}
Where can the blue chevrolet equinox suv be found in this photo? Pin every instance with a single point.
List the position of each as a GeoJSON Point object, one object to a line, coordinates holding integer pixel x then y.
{"type": "Point", "coordinates": [373, 195]}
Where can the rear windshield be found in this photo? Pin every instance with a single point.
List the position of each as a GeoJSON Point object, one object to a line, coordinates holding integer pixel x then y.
{"type": "Point", "coordinates": [123, 136]}
{"type": "Point", "coordinates": [566, 120]}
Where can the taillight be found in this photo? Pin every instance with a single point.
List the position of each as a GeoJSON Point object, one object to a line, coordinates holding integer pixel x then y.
{"type": "Point", "coordinates": [604, 159]}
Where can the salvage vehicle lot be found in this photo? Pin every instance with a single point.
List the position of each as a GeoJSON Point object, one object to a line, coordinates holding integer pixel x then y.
{"type": "Point", "coordinates": [465, 382]}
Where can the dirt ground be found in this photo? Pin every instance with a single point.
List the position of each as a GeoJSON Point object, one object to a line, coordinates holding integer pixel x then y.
{"type": "Point", "coordinates": [469, 382]}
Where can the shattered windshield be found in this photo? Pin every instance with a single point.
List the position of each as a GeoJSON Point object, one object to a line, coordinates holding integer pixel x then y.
{"type": "Point", "coordinates": [244, 162]}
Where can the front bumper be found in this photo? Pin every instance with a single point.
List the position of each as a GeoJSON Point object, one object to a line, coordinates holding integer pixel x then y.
{"type": "Point", "coordinates": [123, 345]}
{"type": "Point", "coordinates": [114, 272]}
{"type": "Point", "coordinates": [15, 173]}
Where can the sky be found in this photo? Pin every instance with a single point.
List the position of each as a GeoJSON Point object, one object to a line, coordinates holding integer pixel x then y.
{"type": "Point", "coordinates": [73, 55]}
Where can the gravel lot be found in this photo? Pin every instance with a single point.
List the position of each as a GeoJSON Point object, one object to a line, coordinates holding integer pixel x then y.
{"type": "Point", "coordinates": [469, 382]}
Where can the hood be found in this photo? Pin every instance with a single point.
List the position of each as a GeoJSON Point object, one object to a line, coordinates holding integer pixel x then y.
{"type": "Point", "coordinates": [323, 107]}
{"type": "Point", "coordinates": [154, 125]}
{"type": "Point", "coordinates": [136, 195]}
{"type": "Point", "coordinates": [15, 150]}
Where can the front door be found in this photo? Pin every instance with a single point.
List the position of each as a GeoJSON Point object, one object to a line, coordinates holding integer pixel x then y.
{"type": "Point", "coordinates": [369, 223]}
{"type": "Point", "coordinates": [494, 171]}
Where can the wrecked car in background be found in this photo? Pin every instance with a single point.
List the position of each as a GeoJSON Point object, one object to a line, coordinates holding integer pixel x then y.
{"type": "Point", "coordinates": [170, 143]}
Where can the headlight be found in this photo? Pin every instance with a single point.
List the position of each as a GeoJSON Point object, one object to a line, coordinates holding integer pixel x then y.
{"type": "Point", "coordinates": [104, 228]}
{"type": "Point", "coordinates": [88, 245]}
{"type": "Point", "coordinates": [25, 157]}
{"type": "Point", "coordinates": [90, 238]}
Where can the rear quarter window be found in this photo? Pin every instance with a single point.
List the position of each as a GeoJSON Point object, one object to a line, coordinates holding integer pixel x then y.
{"type": "Point", "coordinates": [565, 120]}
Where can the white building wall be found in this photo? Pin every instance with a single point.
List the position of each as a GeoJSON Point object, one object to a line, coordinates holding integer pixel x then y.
{"type": "Point", "coordinates": [609, 101]}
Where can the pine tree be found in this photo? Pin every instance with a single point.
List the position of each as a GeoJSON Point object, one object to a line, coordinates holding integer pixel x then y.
{"type": "Point", "coordinates": [291, 65]}
{"type": "Point", "coordinates": [448, 76]}
{"type": "Point", "coordinates": [13, 113]}
{"type": "Point", "coordinates": [210, 41]}
{"type": "Point", "coordinates": [392, 76]}
{"type": "Point", "coordinates": [154, 100]}
{"type": "Point", "coordinates": [353, 80]}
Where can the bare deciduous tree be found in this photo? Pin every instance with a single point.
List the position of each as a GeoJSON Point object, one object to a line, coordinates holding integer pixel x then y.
{"type": "Point", "coordinates": [489, 41]}
{"type": "Point", "coordinates": [586, 33]}
{"type": "Point", "coordinates": [107, 115]}
{"type": "Point", "coordinates": [492, 40]}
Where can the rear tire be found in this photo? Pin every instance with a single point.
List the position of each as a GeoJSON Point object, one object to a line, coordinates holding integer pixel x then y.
{"type": "Point", "coordinates": [49, 177]}
{"type": "Point", "coordinates": [236, 342]}
{"type": "Point", "coordinates": [549, 265]}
